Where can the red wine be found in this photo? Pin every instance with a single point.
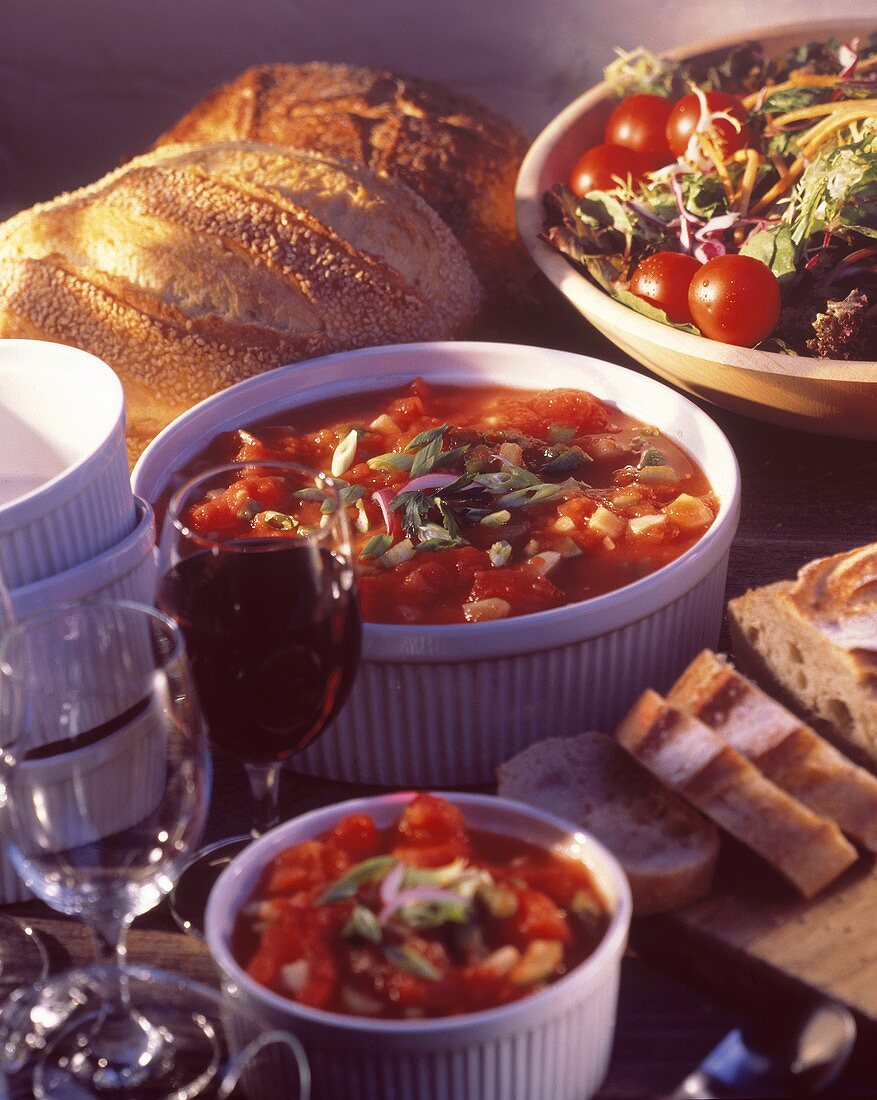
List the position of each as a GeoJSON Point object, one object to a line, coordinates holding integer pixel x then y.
{"type": "Point", "coordinates": [272, 633]}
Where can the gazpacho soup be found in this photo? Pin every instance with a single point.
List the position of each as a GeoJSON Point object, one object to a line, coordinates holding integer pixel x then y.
{"type": "Point", "coordinates": [474, 503]}
{"type": "Point", "coordinates": [425, 918]}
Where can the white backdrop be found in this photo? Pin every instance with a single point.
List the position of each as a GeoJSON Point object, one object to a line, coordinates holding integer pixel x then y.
{"type": "Point", "coordinates": [86, 83]}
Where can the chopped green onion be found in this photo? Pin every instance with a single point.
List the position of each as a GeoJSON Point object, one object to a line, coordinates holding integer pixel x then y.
{"type": "Point", "coordinates": [392, 460]}
{"type": "Point", "coordinates": [500, 553]}
{"type": "Point", "coordinates": [426, 457]}
{"type": "Point", "coordinates": [651, 457]}
{"type": "Point", "coordinates": [344, 453]}
{"type": "Point", "coordinates": [367, 871]}
{"type": "Point", "coordinates": [402, 551]}
{"type": "Point", "coordinates": [278, 520]}
{"type": "Point", "coordinates": [497, 519]}
{"type": "Point", "coordinates": [406, 958]}
{"type": "Point", "coordinates": [364, 923]}
{"type": "Point", "coordinates": [376, 547]}
{"type": "Point", "coordinates": [568, 460]}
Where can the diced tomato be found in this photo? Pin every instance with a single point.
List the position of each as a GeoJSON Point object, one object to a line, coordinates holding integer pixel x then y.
{"type": "Point", "coordinates": [577, 509]}
{"type": "Point", "coordinates": [536, 918]}
{"type": "Point", "coordinates": [430, 833]}
{"type": "Point", "coordinates": [357, 836]}
{"type": "Point", "coordinates": [310, 864]}
{"type": "Point", "coordinates": [525, 589]}
{"type": "Point", "coordinates": [427, 820]}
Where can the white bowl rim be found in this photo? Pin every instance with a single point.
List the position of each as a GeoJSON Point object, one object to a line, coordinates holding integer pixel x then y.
{"type": "Point", "coordinates": [45, 497]}
{"type": "Point", "coordinates": [620, 607]}
{"type": "Point", "coordinates": [586, 295]}
{"type": "Point", "coordinates": [112, 564]}
{"type": "Point", "coordinates": [222, 898]}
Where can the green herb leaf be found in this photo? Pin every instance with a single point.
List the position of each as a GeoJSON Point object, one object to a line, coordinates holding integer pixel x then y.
{"type": "Point", "coordinates": [376, 547]}
{"type": "Point", "coordinates": [773, 246]}
{"type": "Point", "coordinates": [451, 457]}
{"type": "Point", "coordinates": [406, 958]}
{"type": "Point", "coordinates": [429, 436]}
{"type": "Point", "coordinates": [367, 871]}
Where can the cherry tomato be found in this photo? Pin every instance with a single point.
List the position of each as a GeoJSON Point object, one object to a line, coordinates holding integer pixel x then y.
{"type": "Point", "coordinates": [663, 280]}
{"type": "Point", "coordinates": [735, 299]}
{"type": "Point", "coordinates": [686, 115]}
{"type": "Point", "coordinates": [595, 169]}
{"type": "Point", "coordinates": [639, 122]}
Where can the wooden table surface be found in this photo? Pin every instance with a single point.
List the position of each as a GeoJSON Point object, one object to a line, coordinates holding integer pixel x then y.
{"type": "Point", "coordinates": [803, 496]}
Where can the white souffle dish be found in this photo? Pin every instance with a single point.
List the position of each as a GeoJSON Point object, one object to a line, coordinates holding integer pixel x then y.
{"type": "Point", "coordinates": [553, 1045]}
{"type": "Point", "coordinates": [444, 705]}
{"type": "Point", "coordinates": [65, 495]}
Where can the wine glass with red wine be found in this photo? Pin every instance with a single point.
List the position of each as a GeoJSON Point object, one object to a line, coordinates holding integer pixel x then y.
{"type": "Point", "coordinates": [256, 567]}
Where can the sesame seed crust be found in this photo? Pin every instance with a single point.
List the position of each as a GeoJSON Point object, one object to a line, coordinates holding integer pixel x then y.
{"type": "Point", "coordinates": [454, 152]}
{"type": "Point", "coordinates": [194, 267]}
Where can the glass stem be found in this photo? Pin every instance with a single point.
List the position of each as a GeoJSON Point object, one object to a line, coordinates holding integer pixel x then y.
{"type": "Point", "coordinates": [264, 785]}
{"type": "Point", "coordinates": [109, 933]}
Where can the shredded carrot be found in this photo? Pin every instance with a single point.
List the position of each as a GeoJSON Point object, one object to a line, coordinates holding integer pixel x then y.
{"type": "Point", "coordinates": [753, 160]}
{"type": "Point", "coordinates": [838, 106]}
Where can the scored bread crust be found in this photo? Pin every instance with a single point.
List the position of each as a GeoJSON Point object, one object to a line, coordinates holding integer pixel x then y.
{"type": "Point", "coordinates": [809, 850]}
{"type": "Point", "coordinates": [796, 635]}
{"type": "Point", "coordinates": [668, 851]}
{"type": "Point", "coordinates": [458, 155]}
{"type": "Point", "coordinates": [783, 748]}
{"type": "Point", "coordinates": [197, 266]}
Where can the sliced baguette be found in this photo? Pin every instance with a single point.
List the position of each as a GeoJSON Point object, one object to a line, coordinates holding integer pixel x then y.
{"type": "Point", "coordinates": [666, 848]}
{"type": "Point", "coordinates": [688, 756]}
{"type": "Point", "coordinates": [782, 747]}
{"type": "Point", "coordinates": [809, 638]}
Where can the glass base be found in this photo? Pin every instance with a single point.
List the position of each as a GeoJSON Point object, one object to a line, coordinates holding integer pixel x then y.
{"type": "Point", "coordinates": [61, 1040]}
{"type": "Point", "coordinates": [23, 958]}
{"type": "Point", "coordinates": [188, 899]}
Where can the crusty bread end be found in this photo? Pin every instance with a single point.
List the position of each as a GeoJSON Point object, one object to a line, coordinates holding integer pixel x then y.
{"type": "Point", "coordinates": [666, 848]}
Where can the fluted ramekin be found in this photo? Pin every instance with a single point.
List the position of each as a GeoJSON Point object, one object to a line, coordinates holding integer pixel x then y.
{"type": "Point", "coordinates": [65, 493]}
{"type": "Point", "coordinates": [554, 1045]}
{"type": "Point", "coordinates": [125, 571]}
{"type": "Point", "coordinates": [444, 705]}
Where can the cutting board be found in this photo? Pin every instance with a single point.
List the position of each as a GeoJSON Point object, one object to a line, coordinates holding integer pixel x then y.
{"type": "Point", "coordinates": [754, 931]}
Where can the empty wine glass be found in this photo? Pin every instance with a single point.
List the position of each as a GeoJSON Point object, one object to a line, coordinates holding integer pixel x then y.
{"type": "Point", "coordinates": [106, 777]}
{"type": "Point", "coordinates": [256, 567]}
{"type": "Point", "coordinates": [239, 1047]}
{"type": "Point", "coordinates": [23, 957]}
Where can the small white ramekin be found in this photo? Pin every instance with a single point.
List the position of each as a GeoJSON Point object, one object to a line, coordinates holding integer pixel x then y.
{"type": "Point", "coordinates": [444, 705]}
{"type": "Point", "coordinates": [65, 493]}
{"type": "Point", "coordinates": [126, 571]}
{"type": "Point", "coordinates": [554, 1045]}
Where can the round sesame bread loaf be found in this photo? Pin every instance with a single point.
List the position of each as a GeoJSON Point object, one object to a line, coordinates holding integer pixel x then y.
{"type": "Point", "coordinates": [455, 153]}
{"type": "Point", "coordinates": [193, 267]}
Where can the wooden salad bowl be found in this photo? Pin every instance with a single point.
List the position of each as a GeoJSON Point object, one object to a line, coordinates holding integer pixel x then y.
{"type": "Point", "coordinates": [829, 396]}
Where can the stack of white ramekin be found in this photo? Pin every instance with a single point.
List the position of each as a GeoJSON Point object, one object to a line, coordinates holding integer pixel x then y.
{"type": "Point", "coordinates": [70, 527]}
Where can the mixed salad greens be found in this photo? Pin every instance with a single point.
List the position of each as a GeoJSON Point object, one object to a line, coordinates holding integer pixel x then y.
{"type": "Point", "coordinates": [778, 162]}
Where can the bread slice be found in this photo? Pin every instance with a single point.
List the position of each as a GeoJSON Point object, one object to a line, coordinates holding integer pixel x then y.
{"type": "Point", "coordinates": [815, 638]}
{"type": "Point", "coordinates": [668, 851]}
{"type": "Point", "coordinates": [688, 756]}
{"type": "Point", "coordinates": [783, 748]}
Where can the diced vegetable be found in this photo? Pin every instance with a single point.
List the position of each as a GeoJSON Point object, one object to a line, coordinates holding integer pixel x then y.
{"type": "Point", "coordinates": [688, 512]}
{"type": "Point", "coordinates": [606, 523]}
{"type": "Point", "coordinates": [481, 611]}
{"type": "Point", "coordinates": [645, 525]}
{"type": "Point", "coordinates": [540, 959]}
